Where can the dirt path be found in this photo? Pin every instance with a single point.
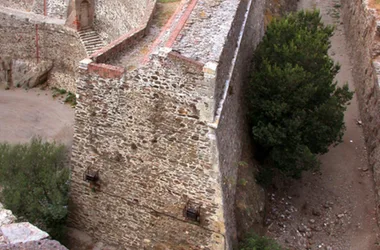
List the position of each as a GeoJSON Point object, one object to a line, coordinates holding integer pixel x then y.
{"type": "Point", "coordinates": [24, 114]}
{"type": "Point", "coordinates": [333, 209]}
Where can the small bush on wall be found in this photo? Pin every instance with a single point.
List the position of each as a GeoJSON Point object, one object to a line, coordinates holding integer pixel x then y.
{"type": "Point", "coordinates": [255, 242]}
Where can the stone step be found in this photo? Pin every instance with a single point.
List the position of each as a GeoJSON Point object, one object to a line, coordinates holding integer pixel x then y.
{"type": "Point", "coordinates": [94, 48]}
{"type": "Point", "coordinates": [90, 40]}
{"type": "Point", "coordinates": [94, 41]}
{"type": "Point", "coordinates": [92, 44]}
{"type": "Point", "coordinates": [88, 33]}
{"type": "Point", "coordinates": [86, 30]}
{"type": "Point", "coordinates": [88, 36]}
{"type": "Point", "coordinates": [90, 52]}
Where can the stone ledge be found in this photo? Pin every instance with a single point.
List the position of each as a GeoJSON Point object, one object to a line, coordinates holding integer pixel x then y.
{"type": "Point", "coordinates": [106, 70]}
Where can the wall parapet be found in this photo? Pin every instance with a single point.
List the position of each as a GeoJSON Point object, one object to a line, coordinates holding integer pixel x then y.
{"type": "Point", "coordinates": [106, 70]}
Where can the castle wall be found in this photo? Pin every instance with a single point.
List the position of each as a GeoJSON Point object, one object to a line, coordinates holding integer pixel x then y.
{"type": "Point", "coordinates": [232, 132]}
{"type": "Point", "coordinates": [147, 135]}
{"type": "Point", "coordinates": [24, 5]}
{"type": "Point", "coordinates": [54, 8]}
{"type": "Point", "coordinates": [56, 43]}
{"type": "Point", "coordinates": [117, 47]}
{"type": "Point", "coordinates": [362, 32]}
{"type": "Point", "coordinates": [117, 17]}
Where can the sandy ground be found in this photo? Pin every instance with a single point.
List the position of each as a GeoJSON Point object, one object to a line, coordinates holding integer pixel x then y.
{"type": "Point", "coordinates": [334, 208]}
{"type": "Point", "coordinates": [24, 114]}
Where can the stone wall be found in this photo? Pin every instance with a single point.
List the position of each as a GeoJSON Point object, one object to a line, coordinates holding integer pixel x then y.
{"type": "Point", "coordinates": [56, 43]}
{"type": "Point", "coordinates": [233, 133]}
{"type": "Point", "coordinates": [362, 32]}
{"type": "Point", "coordinates": [24, 5]}
{"type": "Point", "coordinates": [117, 47]}
{"type": "Point", "coordinates": [22, 73]}
{"type": "Point", "coordinates": [117, 17]}
{"type": "Point", "coordinates": [147, 135]}
{"type": "Point", "coordinates": [54, 8]}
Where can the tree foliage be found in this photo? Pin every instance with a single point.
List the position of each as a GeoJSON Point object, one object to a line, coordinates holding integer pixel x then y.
{"type": "Point", "coordinates": [34, 183]}
{"type": "Point", "coordinates": [295, 106]}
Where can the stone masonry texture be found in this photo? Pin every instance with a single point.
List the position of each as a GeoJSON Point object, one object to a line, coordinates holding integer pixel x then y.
{"type": "Point", "coordinates": [117, 17]}
{"type": "Point", "coordinates": [57, 43]}
{"type": "Point", "coordinates": [361, 22]}
{"type": "Point", "coordinates": [54, 8]}
{"type": "Point", "coordinates": [146, 133]}
{"type": "Point", "coordinates": [131, 131]}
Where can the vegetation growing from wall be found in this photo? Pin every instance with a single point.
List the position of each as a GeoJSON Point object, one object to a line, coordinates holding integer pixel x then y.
{"type": "Point", "coordinates": [34, 182]}
{"type": "Point", "coordinates": [295, 107]}
{"type": "Point", "coordinates": [68, 96]}
{"type": "Point", "coordinates": [255, 242]}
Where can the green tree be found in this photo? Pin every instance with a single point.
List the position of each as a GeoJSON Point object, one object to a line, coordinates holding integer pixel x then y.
{"type": "Point", "coordinates": [295, 107]}
{"type": "Point", "coordinates": [34, 183]}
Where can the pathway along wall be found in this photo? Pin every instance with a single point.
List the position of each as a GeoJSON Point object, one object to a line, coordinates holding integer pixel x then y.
{"type": "Point", "coordinates": [363, 36]}
{"type": "Point", "coordinates": [117, 17]}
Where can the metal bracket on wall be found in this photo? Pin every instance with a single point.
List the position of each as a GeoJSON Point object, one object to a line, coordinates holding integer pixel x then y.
{"type": "Point", "coordinates": [192, 211]}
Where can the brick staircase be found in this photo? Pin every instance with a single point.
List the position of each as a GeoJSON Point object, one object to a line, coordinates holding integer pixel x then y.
{"type": "Point", "coordinates": [91, 40]}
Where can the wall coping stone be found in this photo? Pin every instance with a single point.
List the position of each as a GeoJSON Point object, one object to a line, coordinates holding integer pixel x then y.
{"type": "Point", "coordinates": [84, 63]}
{"type": "Point", "coordinates": [210, 69]}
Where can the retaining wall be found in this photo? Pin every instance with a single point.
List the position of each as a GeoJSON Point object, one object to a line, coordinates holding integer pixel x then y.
{"type": "Point", "coordinates": [54, 8]}
{"type": "Point", "coordinates": [146, 132]}
{"type": "Point", "coordinates": [361, 22]}
{"type": "Point", "coordinates": [116, 47]}
{"type": "Point", "coordinates": [117, 17]}
{"type": "Point", "coordinates": [56, 43]}
{"type": "Point", "coordinates": [233, 134]}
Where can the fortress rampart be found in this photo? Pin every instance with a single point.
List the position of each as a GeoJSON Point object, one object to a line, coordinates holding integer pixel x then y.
{"type": "Point", "coordinates": [361, 22]}
{"type": "Point", "coordinates": [151, 137]}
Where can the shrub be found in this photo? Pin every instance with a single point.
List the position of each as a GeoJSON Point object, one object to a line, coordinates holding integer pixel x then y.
{"type": "Point", "coordinates": [34, 183]}
{"type": "Point", "coordinates": [255, 242]}
{"type": "Point", "coordinates": [295, 107]}
{"type": "Point", "coordinates": [69, 97]}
